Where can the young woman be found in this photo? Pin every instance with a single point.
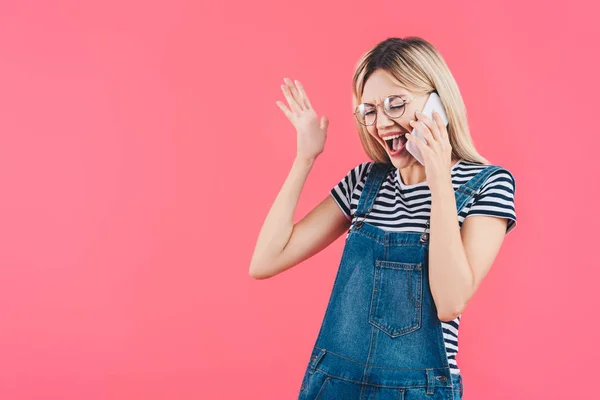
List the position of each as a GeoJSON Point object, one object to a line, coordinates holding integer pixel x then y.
{"type": "Point", "coordinates": [420, 237]}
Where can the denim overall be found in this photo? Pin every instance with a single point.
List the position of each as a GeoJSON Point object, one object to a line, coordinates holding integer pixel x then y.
{"type": "Point", "coordinates": [381, 338]}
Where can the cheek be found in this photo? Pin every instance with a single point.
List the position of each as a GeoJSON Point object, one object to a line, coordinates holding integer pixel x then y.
{"type": "Point", "coordinates": [419, 105]}
{"type": "Point", "coordinates": [373, 133]}
{"type": "Point", "coordinates": [406, 118]}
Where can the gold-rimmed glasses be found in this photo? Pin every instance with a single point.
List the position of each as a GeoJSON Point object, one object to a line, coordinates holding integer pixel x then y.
{"type": "Point", "coordinates": [394, 107]}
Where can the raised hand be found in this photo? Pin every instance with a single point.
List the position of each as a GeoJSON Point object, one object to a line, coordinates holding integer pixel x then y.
{"type": "Point", "coordinates": [310, 130]}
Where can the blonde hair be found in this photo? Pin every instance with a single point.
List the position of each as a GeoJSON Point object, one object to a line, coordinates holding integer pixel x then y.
{"type": "Point", "coordinates": [418, 67]}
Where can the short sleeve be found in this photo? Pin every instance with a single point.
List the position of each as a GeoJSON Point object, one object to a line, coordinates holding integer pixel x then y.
{"type": "Point", "coordinates": [497, 198]}
{"type": "Point", "coordinates": [342, 192]}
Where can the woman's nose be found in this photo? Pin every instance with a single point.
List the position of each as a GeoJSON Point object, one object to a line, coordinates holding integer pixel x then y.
{"type": "Point", "coordinates": [383, 120]}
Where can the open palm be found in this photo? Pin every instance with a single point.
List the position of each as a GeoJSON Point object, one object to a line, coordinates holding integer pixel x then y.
{"type": "Point", "coordinates": [310, 130]}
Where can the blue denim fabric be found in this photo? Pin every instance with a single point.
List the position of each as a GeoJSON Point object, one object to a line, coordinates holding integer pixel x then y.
{"type": "Point", "coordinates": [380, 337]}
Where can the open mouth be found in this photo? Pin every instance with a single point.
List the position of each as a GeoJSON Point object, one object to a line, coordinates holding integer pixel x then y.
{"type": "Point", "coordinates": [395, 143]}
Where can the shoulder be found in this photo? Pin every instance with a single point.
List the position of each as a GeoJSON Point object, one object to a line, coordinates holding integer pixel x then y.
{"type": "Point", "coordinates": [501, 176]}
{"type": "Point", "coordinates": [496, 196]}
{"type": "Point", "coordinates": [359, 172]}
{"type": "Point", "coordinates": [364, 168]}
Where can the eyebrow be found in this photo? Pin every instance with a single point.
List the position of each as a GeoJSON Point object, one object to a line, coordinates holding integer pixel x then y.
{"type": "Point", "coordinates": [393, 94]}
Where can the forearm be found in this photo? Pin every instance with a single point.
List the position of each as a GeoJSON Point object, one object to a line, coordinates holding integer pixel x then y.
{"type": "Point", "coordinates": [279, 223]}
{"type": "Point", "coordinates": [450, 275]}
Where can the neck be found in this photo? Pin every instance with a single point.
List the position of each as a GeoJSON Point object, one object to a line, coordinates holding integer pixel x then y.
{"type": "Point", "coordinates": [415, 173]}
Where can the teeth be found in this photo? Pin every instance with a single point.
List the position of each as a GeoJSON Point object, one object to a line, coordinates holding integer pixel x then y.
{"type": "Point", "coordinates": [392, 137]}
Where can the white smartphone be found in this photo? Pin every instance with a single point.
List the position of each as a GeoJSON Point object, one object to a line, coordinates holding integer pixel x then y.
{"type": "Point", "coordinates": [434, 103]}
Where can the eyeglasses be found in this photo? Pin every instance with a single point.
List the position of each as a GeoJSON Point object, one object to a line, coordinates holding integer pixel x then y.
{"type": "Point", "coordinates": [393, 106]}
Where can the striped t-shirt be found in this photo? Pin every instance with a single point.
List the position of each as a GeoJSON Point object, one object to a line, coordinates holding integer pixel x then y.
{"type": "Point", "coordinates": [405, 208]}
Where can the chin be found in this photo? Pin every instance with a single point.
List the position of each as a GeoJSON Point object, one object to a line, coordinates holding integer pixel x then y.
{"type": "Point", "coordinates": [403, 160]}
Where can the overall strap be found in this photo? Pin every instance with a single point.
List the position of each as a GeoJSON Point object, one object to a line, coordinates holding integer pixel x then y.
{"type": "Point", "coordinates": [464, 193]}
{"type": "Point", "coordinates": [470, 188]}
{"type": "Point", "coordinates": [375, 179]}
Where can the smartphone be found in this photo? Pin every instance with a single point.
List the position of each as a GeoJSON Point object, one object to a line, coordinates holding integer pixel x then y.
{"type": "Point", "coordinates": [434, 103]}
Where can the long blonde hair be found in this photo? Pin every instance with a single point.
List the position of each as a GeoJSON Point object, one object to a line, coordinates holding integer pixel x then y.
{"type": "Point", "coordinates": [417, 66]}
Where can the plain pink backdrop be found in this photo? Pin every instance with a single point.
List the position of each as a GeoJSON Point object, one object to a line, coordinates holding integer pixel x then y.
{"type": "Point", "coordinates": [141, 148]}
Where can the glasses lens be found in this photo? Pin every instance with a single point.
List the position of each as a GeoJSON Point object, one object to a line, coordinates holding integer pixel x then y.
{"type": "Point", "coordinates": [366, 114]}
{"type": "Point", "coordinates": [394, 106]}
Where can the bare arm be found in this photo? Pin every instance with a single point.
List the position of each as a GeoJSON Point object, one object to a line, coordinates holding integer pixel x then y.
{"type": "Point", "coordinates": [281, 244]}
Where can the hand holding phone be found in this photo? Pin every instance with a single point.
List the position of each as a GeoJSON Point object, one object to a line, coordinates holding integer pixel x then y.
{"type": "Point", "coordinates": [434, 103]}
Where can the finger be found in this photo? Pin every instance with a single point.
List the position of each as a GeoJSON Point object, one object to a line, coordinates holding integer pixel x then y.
{"type": "Point", "coordinates": [290, 99]}
{"type": "Point", "coordinates": [303, 94]}
{"type": "Point", "coordinates": [420, 144]}
{"type": "Point", "coordinates": [441, 127]}
{"type": "Point", "coordinates": [324, 123]}
{"type": "Point", "coordinates": [285, 110]}
{"type": "Point", "coordinates": [417, 142]}
{"type": "Point", "coordinates": [423, 130]}
{"type": "Point", "coordinates": [431, 125]}
{"type": "Point", "coordinates": [295, 93]}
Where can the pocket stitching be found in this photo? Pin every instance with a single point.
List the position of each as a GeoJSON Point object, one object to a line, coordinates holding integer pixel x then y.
{"type": "Point", "coordinates": [322, 388]}
{"type": "Point", "coordinates": [416, 302]}
{"type": "Point", "coordinates": [397, 265]}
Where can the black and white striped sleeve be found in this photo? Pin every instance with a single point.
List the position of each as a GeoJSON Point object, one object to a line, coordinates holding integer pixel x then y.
{"type": "Point", "coordinates": [497, 198]}
{"type": "Point", "coordinates": [342, 192]}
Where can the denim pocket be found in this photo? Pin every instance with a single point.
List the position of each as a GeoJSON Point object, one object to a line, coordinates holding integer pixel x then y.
{"type": "Point", "coordinates": [397, 297]}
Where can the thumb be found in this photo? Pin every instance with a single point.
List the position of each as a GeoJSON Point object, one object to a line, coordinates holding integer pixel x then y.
{"type": "Point", "coordinates": [324, 122]}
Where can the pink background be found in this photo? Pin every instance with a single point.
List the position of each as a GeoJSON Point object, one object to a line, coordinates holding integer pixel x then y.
{"type": "Point", "coordinates": [141, 149]}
